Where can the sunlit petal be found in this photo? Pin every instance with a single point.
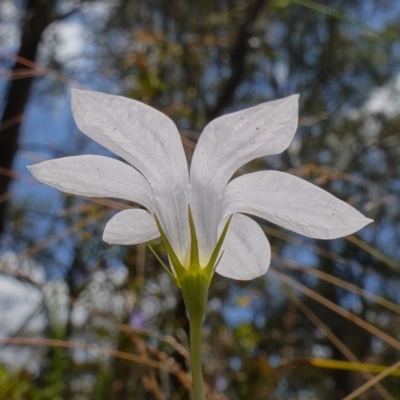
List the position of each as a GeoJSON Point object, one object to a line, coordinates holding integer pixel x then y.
{"type": "Point", "coordinates": [247, 253]}
{"type": "Point", "coordinates": [149, 141]}
{"type": "Point", "coordinates": [131, 227]}
{"type": "Point", "coordinates": [225, 145]}
{"type": "Point", "coordinates": [293, 203]}
{"type": "Point", "coordinates": [96, 176]}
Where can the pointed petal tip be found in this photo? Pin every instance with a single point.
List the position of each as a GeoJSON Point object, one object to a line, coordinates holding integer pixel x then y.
{"type": "Point", "coordinates": [33, 169]}
{"type": "Point", "coordinates": [77, 92]}
{"type": "Point", "coordinates": [78, 95]}
{"type": "Point", "coordinates": [356, 226]}
{"type": "Point", "coordinates": [365, 221]}
{"type": "Point", "coordinates": [294, 204]}
{"type": "Point", "coordinates": [292, 98]}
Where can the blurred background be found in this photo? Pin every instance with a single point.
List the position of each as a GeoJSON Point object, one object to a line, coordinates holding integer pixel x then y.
{"type": "Point", "coordinates": [80, 319]}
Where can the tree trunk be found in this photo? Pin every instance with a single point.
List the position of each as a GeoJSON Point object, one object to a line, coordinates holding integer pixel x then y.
{"type": "Point", "coordinates": [238, 58]}
{"type": "Point", "coordinates": [38, 15]}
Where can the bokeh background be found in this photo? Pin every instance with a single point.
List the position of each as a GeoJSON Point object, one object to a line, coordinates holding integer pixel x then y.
{"type": "Point", "coordinates": [80, 319]}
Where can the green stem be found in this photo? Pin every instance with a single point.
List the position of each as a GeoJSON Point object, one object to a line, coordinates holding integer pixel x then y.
{"type": "Point", "coordinates": [195, 292]}
{"type": "Point", "coordinates": [196, 325]}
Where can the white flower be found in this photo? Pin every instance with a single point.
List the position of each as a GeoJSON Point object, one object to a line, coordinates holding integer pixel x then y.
{"type": "Point", "coordinates": [157, 178]}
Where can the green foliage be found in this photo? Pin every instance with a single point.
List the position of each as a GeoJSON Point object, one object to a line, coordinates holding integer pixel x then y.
{"type": "Point", "coordinates": [15, 385]}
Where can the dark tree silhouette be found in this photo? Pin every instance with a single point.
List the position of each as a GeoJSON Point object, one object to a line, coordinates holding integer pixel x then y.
{"type": "Point", "coordinates": [37, 17]}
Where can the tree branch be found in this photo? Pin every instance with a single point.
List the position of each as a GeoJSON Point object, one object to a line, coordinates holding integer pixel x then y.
{"type": "Point", "coordinates": [237, 61]}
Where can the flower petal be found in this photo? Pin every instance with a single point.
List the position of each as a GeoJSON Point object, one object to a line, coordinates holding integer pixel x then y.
{"type": "Point", "coordinates": [131, 227]}
{"type": "Point", "coordinates": [247, 252]}
{"type": "Point", "coordinates": [293, 203]}
{"type": "Point", "coordinates": [225, 145]}
{"type": "Point", "coordinates": [96, 176]}
{"type": "Point", "coordinates": [149, 141]}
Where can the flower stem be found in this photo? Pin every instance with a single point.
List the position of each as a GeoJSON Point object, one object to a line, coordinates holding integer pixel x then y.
{"type": "Point", "coordinates": [195, 292]}
{"type": "Point", "coordinates": [195, 358]}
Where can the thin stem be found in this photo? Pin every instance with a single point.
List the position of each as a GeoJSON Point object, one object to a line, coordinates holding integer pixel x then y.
{"type": "Point", "coordinates": [195, 291]}
{"type": "Point", "coordinates": [195, 358]}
